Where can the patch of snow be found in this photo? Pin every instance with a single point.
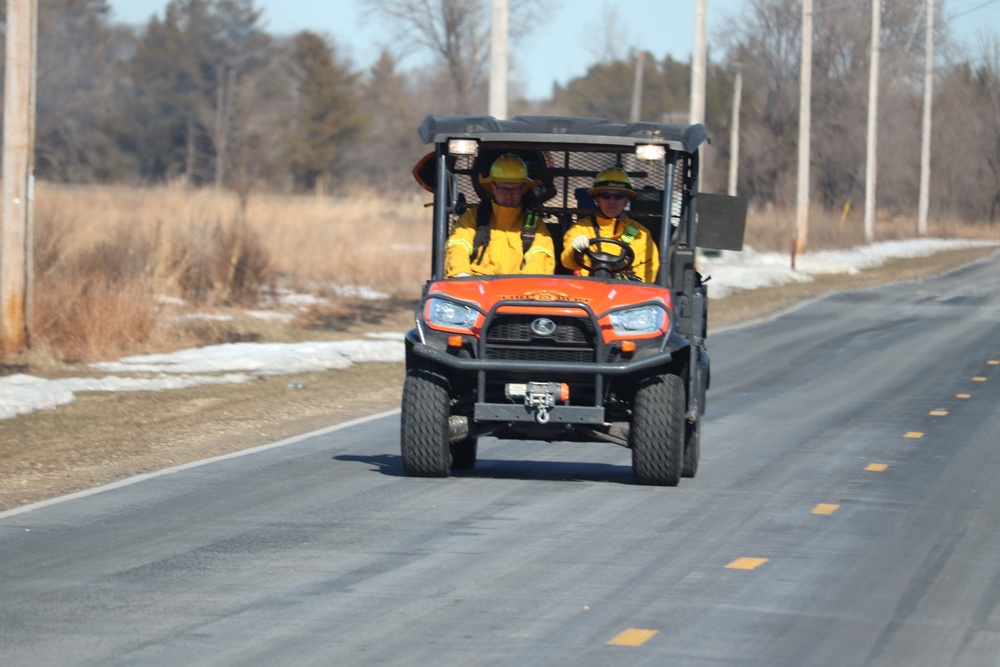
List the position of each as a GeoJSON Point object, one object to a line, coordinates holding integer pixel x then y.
{"type": "Point", "coordinates": [365, 292]}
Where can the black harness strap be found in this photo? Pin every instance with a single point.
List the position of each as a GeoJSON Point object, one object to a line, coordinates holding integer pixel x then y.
{"type": "Point", "coordinates": [482, 237]}
{"type": "Point", "coordinates": [628, 235]}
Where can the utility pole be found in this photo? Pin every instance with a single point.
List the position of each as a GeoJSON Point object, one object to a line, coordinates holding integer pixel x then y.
{"type": "Point", "coordinates": [18, 180]}
{"type": "Point", "coordinates": [805, 95]}
{"type": "Point", "coordinates": [925, 142]}
{"type": "Point", "coordinates": [734, 132]}
{"type": "Point", "coordinates": [871, 168]}
{"type": "Point", "coordinates": [498, 60]}
{"type": "Point", "coordinates": [640, 59]}
{"type": "Point", "coordinates": [699, 63]}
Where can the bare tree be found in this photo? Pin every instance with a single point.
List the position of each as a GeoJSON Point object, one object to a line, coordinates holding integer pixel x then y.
{"type": "Point", "coordinates": [255, 106]}
{"type": "Point", "coordinates": [456, 33]}
{"type": "Point", "coordinates": [766, 39]}
{"type": "Point", "coordinates": [609, 36]}
{"type": "Point", "coordinates": [990, 119]}
{"type": "Point", "coordinates": [243, 51]}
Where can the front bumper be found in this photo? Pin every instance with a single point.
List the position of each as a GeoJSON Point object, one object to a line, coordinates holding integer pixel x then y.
{"type": "Point", "coordinates": [483, 372]}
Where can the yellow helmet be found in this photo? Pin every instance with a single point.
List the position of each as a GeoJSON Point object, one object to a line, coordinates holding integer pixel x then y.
{"type": "Point", "coordinates": [612, 178]}
{"type": "Point", "coordinates": [509, 168]}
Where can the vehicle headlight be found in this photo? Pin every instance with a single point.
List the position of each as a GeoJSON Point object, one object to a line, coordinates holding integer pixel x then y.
{"type": "Point", "coordinates": [450, 314]}
{"type": "Point", "coordinates": [641, 320]}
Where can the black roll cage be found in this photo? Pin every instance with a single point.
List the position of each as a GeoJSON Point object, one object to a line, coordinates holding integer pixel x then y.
{"type": "Point", "coordinates": [563, 134]}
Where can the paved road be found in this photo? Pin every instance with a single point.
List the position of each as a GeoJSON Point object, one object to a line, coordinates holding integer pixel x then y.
{"type": "Point", "coordinates": [846, 513]}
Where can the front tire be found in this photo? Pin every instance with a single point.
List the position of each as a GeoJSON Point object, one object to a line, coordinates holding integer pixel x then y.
{"type": "Point", "coordinates": [424, 424]}
{"type": "Point", "coordinates": [657, 432]}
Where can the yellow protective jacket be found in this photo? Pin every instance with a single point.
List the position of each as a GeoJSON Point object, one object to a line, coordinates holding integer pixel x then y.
{"type": "Point", "coordinates": [505, 252]}
{"type": "Point", "coordinates": [647, 257]}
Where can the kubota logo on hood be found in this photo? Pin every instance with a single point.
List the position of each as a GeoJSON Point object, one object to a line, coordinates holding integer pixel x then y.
{"type": "Point", "coordinates": [544, 295]}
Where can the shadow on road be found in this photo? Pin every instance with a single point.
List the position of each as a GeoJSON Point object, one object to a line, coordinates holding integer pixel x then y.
{"type": "Point", "coordinates": [555, 471]}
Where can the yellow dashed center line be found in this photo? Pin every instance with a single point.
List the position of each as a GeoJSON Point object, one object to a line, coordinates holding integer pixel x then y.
{"type": "Point", "coordinates": [825, 508]}
{"type": "Point", "coordinates": [632, 637]}
{"type": "Point", "coordinates": [963, 395]}
{"type": "Point", "coordinates": [746, 563]}
{"type": "Point", "coordinates": [876, 467]}
{"type": "Point", "coordinates": [993, 362]}
{"type": "Point", "coordinates": [913, 434]}
{"type": "Point", "coordinates": [938, 413]}
{"type": "Point", "coordinates": [979, 378]}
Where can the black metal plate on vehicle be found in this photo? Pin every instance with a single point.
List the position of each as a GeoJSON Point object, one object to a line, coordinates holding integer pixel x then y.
{"type": "Point", "coordinates": [566, 414]}
{"type": "Point", "coordinates": [721, 221]}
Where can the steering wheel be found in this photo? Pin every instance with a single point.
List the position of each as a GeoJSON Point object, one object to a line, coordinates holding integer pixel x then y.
{"type": "Point", "coordinates": [605, 264]}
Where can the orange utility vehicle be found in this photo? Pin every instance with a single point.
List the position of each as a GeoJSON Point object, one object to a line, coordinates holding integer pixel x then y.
{"type": "Point", "coordinates": [564, 357]}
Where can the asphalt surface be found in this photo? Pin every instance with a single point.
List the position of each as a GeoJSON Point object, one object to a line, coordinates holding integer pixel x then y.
{"type": "Point", "coordinates": [846, 512]}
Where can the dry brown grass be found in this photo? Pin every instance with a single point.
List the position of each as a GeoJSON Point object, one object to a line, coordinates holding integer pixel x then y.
{"type": "Point", "coordinates": [368, 238]}
{"type": "Point", "coordinates": [106, 258]}
{"type": "Point", "coordinates": [772, 230]}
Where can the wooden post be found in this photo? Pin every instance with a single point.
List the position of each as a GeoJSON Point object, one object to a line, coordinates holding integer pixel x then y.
{"type": "Point", "coordinates": [805, 122]}
{"type": "Point", "coordinates": [871, 161]}
{"type": "Point", "coordinates": [18, 179]}
{"type": "Point", "coordinates": [699, 62]}
{"type": "Point", "coordinates": [636, 114]}
{"type": "Point", "coordinates": [498, 60]}
{"type": "Point", "coordinates": [923, 204]}
{"type": "Point", "coordinates": [734, 131]}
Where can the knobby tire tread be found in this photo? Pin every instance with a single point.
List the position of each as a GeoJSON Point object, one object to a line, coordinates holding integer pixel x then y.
{"type": "Point", "coordinates": [657, 433]}
{"type": "Point", "coordinates": [424, 425]}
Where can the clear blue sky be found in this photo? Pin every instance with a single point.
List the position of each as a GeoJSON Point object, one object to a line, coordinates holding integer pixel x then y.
{"type": "Point", "coordinates": [563, 45]}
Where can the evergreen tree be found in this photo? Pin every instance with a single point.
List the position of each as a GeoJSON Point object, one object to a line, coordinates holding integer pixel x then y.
{"type": "Point", "coordinates": [186, 73]}
{"type": "Point", "coordinates": [391, 144]}
{"type": "Point", "coordinates": [79, 57]}
{"type": "Point", "coordinates": [326, 118]}
{"type": "Point", "coordinates": [171, 74]}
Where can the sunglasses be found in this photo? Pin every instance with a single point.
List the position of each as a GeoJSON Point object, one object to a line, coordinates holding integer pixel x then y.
{"type": "Point", "coordinates": [611, 195]}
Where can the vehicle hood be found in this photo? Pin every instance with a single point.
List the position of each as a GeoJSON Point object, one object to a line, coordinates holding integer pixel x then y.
{"type": "Point", "coordinates": [600, 296]}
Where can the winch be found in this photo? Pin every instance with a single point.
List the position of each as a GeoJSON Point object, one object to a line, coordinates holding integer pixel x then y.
{"type": "Point", "coordinates": [539, 396]}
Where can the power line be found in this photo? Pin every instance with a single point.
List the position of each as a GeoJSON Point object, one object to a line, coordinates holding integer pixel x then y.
{"type": "Point", "coordinates": [973, 9]}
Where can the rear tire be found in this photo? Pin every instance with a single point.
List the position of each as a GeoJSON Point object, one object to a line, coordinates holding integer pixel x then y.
{"type": "Point", "coordinates": [657, 432]}
{"type": "Point", "coordinates": [692, 448]}
{"type": "Point", "coordinates": [424, 424]}
{"type": "Point", "coordinates": [463, 454]}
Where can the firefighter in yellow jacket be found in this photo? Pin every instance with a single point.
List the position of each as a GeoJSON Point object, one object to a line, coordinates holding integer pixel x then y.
{"type": "Point", "coordinates": [512, 240]}
{"type": "Point", "coordinates": [612, 191]}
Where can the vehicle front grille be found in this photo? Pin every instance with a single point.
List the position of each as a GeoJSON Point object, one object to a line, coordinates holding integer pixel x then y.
{"type": "Point", "coordinates": [509, 337]}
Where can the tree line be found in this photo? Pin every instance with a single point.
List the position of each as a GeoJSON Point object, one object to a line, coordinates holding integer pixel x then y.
{"type": "Point", "coordinates": [205, 96]}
